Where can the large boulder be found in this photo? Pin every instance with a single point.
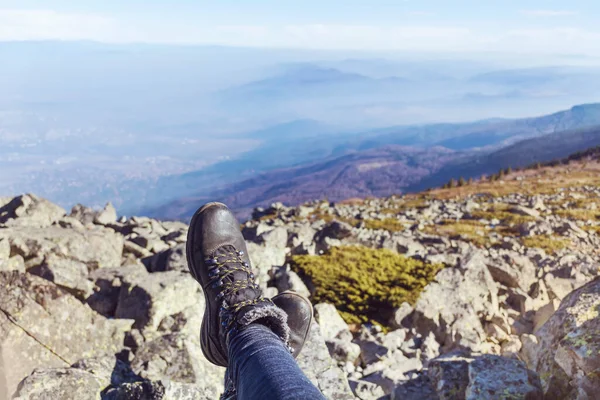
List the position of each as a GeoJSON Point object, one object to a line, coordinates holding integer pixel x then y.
{"type": "Point", "coordinates": [44, 326]}
{"type": "Point", "coordinates": [453, 306]}
{"type": "Point", "coordinates": [159, 390]}
{"type": "Point", "coordinates": [173, 259]}
{"type": "Point", "coordinates": [30, 210]}
{"type": "Point", "coordinates": [321, 369]}
{"type": "Point", "coordinates": [149, 299]}
{"type": "Point", "coordinates": [60, 383]}
{"type": "Point", "coordinates": [178, 357]}
{"type": "Point", "coordinates": [97, 248]}
{"type": "Point", "coordinates": [567, 357]}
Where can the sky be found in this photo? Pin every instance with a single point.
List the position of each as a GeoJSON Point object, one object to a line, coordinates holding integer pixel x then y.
{"type": "Point", "coordinates": [519, 26]}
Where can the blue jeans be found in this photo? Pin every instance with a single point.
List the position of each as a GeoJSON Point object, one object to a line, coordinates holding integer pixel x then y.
{"type": "Point", "coordinates": [262, 368]}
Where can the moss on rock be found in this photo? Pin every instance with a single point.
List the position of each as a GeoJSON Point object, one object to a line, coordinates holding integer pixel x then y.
{"type": "Point", "coordinates": [365, 284]}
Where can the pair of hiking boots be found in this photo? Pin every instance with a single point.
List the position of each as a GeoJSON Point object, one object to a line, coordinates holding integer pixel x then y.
{"type": "Point", "coordinates": [218, 260]}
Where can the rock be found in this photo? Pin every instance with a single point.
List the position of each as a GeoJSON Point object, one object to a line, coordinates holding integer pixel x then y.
{"type": "Point", "coordinates": [83, 214]}
{"type": "Point", "coordinates": [321, 369]}
{"type": "Point", "coordinates": [108, 215]}
{"type": "Point", "coordinates": [151, 298]}
{"type": "Point", "coordinates": [529, 349]}
{"type": "Point", "coordinates": [159, 390]}
{"type": "Point", "coordinates": [109, 369]}
{"type": "Point", "coordinates": [420, 388]}
{"type": "Point", "coordinates": [107, 286]}
{"type": "Point", "coordinates": [97, 248]}
{"type": "Point", "coordinates": [285, 279]}
{"type": "Point", "coordinates": [511, 347]}
{"type": "Point", "coordinates": [15, 263]}
{"type": "Point", "coordinates": [452, 306]}
{"type": "Point", "coordinates": [430, 348]}
{"type": "Point", "coordinates": [138, 251]}
{"type": "Point", "coordinates": [173, 259]}
{"type": "Point", "coordinates": [400, 317]}
{"type": "Point", "coordinates": [568, 360]}
{"type": "Point", "coordinates": [408, 247]}
{"type": "Point", "coordinates": [29, 210]}
{"type": "Point", "coordinates": [558, 288]}
{"type": "Point", "coordinates": [66, 273]}
{"type": "Point", "coordinates": [44, 326]}
{"type": "Point", "coordinates": [570, 228]}
{"type": "Point", "coordinates": [4, 249]}
{"type": "Point", "coordinates": [60, 383]}
{"type": "Point", "coordinates": [372, 352]}
{"type": "Point", "coordinates": [544, 313]}
{"type": "Point", "coordinates": [391, 370]}
{"type": "Point", "coordinates": [449, 375]}
{"type": "Point", "coordinates": [528, 212]}
{"type": "Point", "coordinates": [343, 351]}
{"type": "Point", "coordinates": [364, 390]}
{"type": "Point", "coordinates": [331, 323]}
{"type": "Point", "coordinates": [513, 271]}
{"type": "Point", "coordinates": [276, 238]}
{"type": "Point", "coordinates": [334, 230]}
{"type": "Point", "coordinates": [177, 357]}
{"type": "Point", "coordinates": [263, 258]}
{"type": "Point", "coordinates": [495, 377]}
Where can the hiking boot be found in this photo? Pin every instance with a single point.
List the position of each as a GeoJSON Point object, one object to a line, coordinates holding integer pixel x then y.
{"type": "Point", "coordinates": [300, 315]}
{"type": "Point", "coordinates": [218, 260]}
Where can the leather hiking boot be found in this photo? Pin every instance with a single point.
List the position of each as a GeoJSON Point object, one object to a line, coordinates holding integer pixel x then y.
{"type": "Point", "coordinates": [300, 315]}
{"type": "Point", "coordinates": [218, 260]}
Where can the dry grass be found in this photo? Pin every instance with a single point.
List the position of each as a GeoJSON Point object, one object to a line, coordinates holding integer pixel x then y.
{"type": "Point", "coordinates": [549, 244]}
{"type": "Point", "coordinates": [468, 230]}
{"type": "Point", "coordinates": [578, 214]}
{"type": "Point", "coordinates": [388, 224]}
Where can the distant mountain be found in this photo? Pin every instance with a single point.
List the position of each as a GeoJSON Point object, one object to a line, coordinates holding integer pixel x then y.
{"type": "Point", "coordinates": [375, 172]}
{"type": "Point", "coordinates": [521, 154]}
{"type": "Point", "coordinates": [279, 158]}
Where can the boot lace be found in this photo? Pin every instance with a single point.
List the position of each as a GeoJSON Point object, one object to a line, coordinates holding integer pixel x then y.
{"type": "Point", "coordinates": [226, 269]}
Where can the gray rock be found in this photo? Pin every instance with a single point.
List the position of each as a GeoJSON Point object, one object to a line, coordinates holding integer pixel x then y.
{"type": "Point", "coordinates": [107, 286]}
{"type": "Point", "coordinates": [321, 369]}
{"type": "Point", "coordinates": [83, 214]}
{"type": "Point", "coordinates": [400, 317]}
{"type": "Point", "coordinates": [16, 263]}
{"type": "Point", "coordinates": [151, 298]}
{"type": "Point", "coordinates": [568, 356]}
{"type": "Point", "coordinates": [343, 351]}
{"type": "Point", "coordinates": [331, 323]}
{"type": "Point", "coordinates": [334, 230]}
{"type": "Point", "coordinates": [526, 211]}
{"type": "Point", "coordinates": [513, 270]}
{"type": "Point", "coordinates": [276, 238]}
{"type": "Point", "coordinates": [495, 377]}
{"type": "Point", "coordinates": [60, 383]}
{"type": "Point", "coordinates": [420, 388]}
{"type": "Point", "coordinates": [136, 250]}
{"type": "Point", "coordinates": [97, 248]}
{"type": "Point", "coordinates": [66, 273]}
{"type": "Point", "coordinates": [452, 307]}
{"type": "Point", "coordinates": [109, 369]}
{"type": "Point", "coordinates": [29, 210]}
{"type": "Point", "coordinates": [449, 375]}
{"type": "Point", "coordinates": [177, 357]}
{"type": "Point", "coordinates": [159, 390]}
{"type": "Point", "coordinates": [364, 390]}
{"type": "Point", "coordinates": [4, 249]}
{"type": "Point", "coordinates": [106, 216]}
{"type": "Point", "coordinates": [173, 259]}
{"type": "Point", "coordinates": [43, 326]}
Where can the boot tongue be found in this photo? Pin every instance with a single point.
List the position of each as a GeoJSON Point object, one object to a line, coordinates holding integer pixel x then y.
{"type": "Point", "coordinates": [230, 254]}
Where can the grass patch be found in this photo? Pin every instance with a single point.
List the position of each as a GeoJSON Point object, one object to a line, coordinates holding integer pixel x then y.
{"type": "Point", "coordinates": [365, 284]}
{"type": "Point", "coordinates": [388, 224]}
{"type": "Point", "coordinates": [578, 214]}
{"type": "Point", "coordinates": [549, 244]}
{"type": "Point", "coordinates": [467, 230]}
{"type": "Point", "coordinates": [502, 213]}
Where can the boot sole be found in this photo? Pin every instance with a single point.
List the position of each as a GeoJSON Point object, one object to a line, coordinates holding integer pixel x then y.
{"type": "Point", "coordinates": [207, 334]}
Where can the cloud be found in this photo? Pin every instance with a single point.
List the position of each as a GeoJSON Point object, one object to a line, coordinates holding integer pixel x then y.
{"type": "Point", "coordinates": [548, 13]}
{"type": "Point", "coordinates": [50, 25]}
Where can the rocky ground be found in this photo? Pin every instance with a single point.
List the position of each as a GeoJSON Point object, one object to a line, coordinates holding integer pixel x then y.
{"type": "Point", "coordinates": [92, 305]}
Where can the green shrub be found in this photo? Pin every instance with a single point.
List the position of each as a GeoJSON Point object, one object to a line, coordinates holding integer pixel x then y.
{"type": "Point", "coordinates": [365, 284]}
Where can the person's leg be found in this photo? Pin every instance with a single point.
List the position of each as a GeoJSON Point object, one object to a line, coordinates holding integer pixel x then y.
{"type": "Point", "coordinates": [241, 329]}
{"type": "Point", "coordinates": [261, 367]}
